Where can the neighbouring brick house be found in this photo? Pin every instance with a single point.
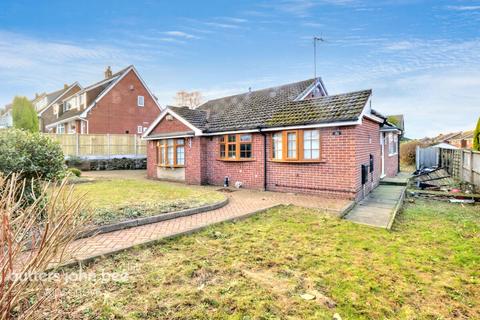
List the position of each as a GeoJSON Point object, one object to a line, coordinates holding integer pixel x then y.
{"type": "Point", "coordinates": [292, 138]}
{"type": "Point", "coordinates": [121, 103]}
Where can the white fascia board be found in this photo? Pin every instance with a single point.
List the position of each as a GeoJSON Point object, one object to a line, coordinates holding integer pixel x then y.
{"type": "Point", "coordinates": [146, 87]}
{"type": "Point", "coordinates": [100, 84]}
{"type": "Point", "coordinates": [54, 124]}
{"type": "Point", "coordinates": [60, 96]}
{"type": "Point", "coordinates": [231, 132]}
{"type": "Point", "coordinates": [155, 123]}
{"type": "Point", "coordinates": [391, 130]}
{"type": "Point", "coordinates": [197, 131]}
{"type": "Point", "coordinates": [169, 137]}
{"type": "Point", "coordinates": [309, 126]}
{"type": "Point", "coordinates": [318, 125]}
{"type": "Point", "coordinates": [310, 88]}
{"type": "Point", "coordinates": [374, 118]}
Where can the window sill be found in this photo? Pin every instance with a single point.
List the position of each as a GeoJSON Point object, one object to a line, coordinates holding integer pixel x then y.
{"type": "Point", "coordinates": [392, 154]}
{"type": "Point", "coordinates": [169, 166]}
{"type": "Point", "coordinates": [236, 160]}
{"type": "Point", "coordinates": [298, 161]}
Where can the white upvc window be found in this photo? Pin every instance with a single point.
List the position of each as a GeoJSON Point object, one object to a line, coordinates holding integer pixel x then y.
{"type": "Point", "coordinates": [141, 101]}
{"type": "Point", "coordinates": [392, 144]}
{"type": "Point", "coordinates": [139, 129]}
{"type": "Point", "coordinates": [61, 128]}
{"type": "Point", "coordinates": [277, 146]}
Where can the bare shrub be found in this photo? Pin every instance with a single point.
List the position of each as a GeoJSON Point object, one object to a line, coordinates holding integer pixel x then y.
{"type": "Point", "coordinates": [33, 239]}
{"type": "Point", "coordinates": [408, 152]}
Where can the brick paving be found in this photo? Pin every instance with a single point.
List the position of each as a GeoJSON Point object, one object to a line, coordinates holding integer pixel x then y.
{"type": "Point", "coordinates": [241, 203]}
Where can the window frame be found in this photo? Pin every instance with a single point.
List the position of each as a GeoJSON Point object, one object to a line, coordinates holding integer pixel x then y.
{"type": "Point", "coordinates": [139, 129]}
{"type": "Point", "coordinates": [299, 153]}
{"type": "Point", "coordinates": [163, 155]}
{"type": "Point", "coordinates": [225, 143]}
{"type": "Point", "coordinates": [138, 101]}
{"type": "Point", "coordinates": [392, 144]}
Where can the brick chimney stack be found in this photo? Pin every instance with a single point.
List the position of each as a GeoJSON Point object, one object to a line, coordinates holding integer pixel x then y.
{"type": "Point", "coordinates": [108, 72]}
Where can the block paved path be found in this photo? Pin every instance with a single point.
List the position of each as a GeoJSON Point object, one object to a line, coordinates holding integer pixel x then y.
{"type": "Point", "coordinates": [377, 209]}
{"type": "Point", "coordinates": [241, 203]}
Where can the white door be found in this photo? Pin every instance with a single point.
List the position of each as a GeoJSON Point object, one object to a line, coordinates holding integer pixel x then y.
{"type": "Point", "coordinates": [382, 152]}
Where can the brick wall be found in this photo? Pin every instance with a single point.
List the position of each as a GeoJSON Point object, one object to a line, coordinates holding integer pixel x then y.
{"type": "Point", "coordinates": [117, 111]}
{"type": "Point", "coordinates": [152, 159]}
{"type": "Point", "coordinates": [367, 138]}
{"type": "Point", "coordinates": [250, 173]}
{"type": "Point", "coordinates": [173, 125]}
{"type": "Point", "coordinates": [338, 174]}
{"type": "Point", "coordinates": [332, 177]}
{"type": "Point", "coordinates": [391, 161]}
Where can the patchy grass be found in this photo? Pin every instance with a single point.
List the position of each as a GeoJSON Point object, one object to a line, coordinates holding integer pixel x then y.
{"type": "Point", "coordinates": [428, 267]}
{"type": "Point", "coordinates": [121, 199]}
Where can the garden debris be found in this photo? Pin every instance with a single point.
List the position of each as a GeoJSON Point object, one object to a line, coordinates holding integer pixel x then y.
{"type": "Point", "coordinates": [283, 287]}
{"type": "Point", "coordinates": [307, 296]}
{"type": "Point", "coordinates": [336, 316]}
{"type": "Point", "coordinates": [467, 201]}
{"type": "Point", "coordinates": [433, 179]}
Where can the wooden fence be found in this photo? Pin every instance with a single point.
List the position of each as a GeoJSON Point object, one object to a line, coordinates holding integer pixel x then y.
{"type": "Point", "coordinates": [462, 164]}
{"type": "Point", "coordinates": [100, 145]}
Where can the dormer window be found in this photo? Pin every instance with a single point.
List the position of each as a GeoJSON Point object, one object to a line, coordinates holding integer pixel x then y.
{"type": "Point", "coordinates": [66, 106]}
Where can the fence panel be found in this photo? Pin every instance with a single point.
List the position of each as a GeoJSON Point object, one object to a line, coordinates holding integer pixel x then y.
{"type": "Point", "coordinates": [427, 157]}
{"type": "Point", "coordinates": [462, 164]}
{"type": "Point", "coordinates": [100, 145]}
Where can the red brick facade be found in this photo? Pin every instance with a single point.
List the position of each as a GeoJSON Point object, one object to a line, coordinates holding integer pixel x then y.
{"type": "Point", "coordinates": [338, 174]}
{"type": "Point", "coordinates": [391, 161]}
{"type": "Point", "coordinates": [117, 112]}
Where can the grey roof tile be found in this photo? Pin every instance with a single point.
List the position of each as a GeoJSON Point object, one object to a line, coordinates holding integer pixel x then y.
{"type": "Point", "coordinates": [274, 107]}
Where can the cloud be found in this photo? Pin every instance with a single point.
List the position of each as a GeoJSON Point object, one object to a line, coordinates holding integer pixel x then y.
{"type": "Point", "coordinates": [222, 25]}
{"type": "Point", "coordinates": [432, 102]}
{"type": "Point", "coordinates": [181, 34]}
{"type": "Point", "coordinates": [303, 8]}
{"type": "Point", "coordinates": [29, 65]}
{"type": "Point", "coordinates": [234, 20]}
{"type": "Point", "coordinates": [463, 8]}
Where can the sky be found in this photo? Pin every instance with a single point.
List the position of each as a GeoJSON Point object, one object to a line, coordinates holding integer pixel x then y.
{"type": "Point", "coordinates": [421, 58]}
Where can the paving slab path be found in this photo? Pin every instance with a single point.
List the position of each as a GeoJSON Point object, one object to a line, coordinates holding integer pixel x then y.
{"type": "Point", "coordinates": [242, 203]}
{"type": "Point", "coordinates": [378, 209]}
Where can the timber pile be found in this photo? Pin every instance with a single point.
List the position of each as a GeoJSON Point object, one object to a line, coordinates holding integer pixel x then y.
{"type": "Point", "coordinates": [436, 179]}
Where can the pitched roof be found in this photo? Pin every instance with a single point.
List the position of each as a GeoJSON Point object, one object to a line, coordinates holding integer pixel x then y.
{"type": "Point", "coordinates": [56, 95]}
{"type": "Point", "coordinates": [398, 119]}
{"type": "Point", "coordinates": [104, 84]}
{"type": "Point", "coordinates": [274, 107]}
{"type": "Point", "coordinates": [466, 135]}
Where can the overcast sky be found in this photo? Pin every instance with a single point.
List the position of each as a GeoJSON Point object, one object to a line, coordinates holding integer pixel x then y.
{"type": "Point", "coordinates": [421, 58]}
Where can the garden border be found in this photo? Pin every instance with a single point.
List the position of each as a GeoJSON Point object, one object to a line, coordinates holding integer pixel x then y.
{"type": "Point", "coordinates": [151, 219]}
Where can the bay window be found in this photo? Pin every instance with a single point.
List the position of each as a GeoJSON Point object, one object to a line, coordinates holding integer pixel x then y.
{"type": "Point", "coordinates": [171, 152]}
{"type": "Point", "coordinates": [292, 145]}
{"type": "Point", "coordinates": [236, 147]}
{"type": "Point", "coordinates": [296, 145]}
{"type": "Point", "coordinates": [311, 144]}
{"type": "Point", "coordinates": [277, 146]}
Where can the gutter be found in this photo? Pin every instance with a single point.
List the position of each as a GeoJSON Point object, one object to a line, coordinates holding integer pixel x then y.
{"type": "Point", "coordinates": [264, 158]}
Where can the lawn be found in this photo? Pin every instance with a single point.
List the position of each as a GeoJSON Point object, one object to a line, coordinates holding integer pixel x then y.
{"type": "Point", "coordinates": [121, 199]}
{"type": "Point", "coordinates": [428, 267]}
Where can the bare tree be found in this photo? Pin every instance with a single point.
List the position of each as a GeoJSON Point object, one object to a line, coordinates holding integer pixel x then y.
{"type": "Point", "coordinates": [188, 99]}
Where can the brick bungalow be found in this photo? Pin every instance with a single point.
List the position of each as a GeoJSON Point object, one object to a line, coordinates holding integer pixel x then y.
{"type": "Point", "coordinates": [292, 138]}
{"type": "Point", "coordinates": [121, 103]}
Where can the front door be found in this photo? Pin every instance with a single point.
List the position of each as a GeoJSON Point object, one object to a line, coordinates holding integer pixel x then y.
{"type": "Point", "coordinates": [382, 152]}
